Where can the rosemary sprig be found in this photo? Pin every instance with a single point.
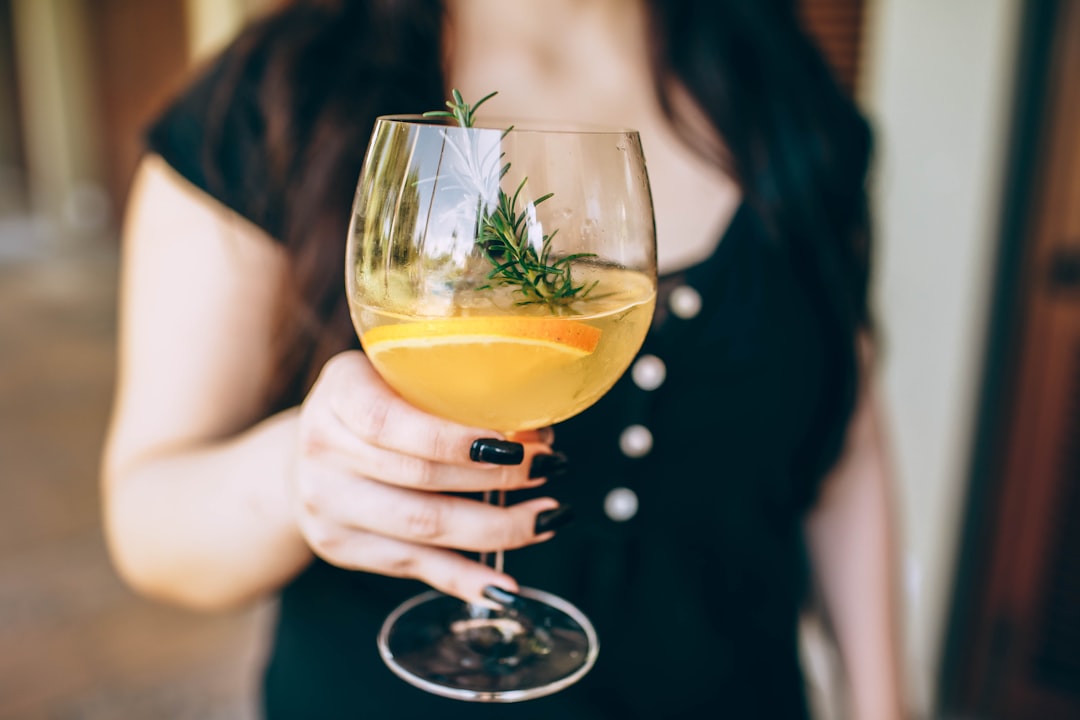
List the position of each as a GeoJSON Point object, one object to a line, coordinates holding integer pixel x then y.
{"type": "Point", "coordinates": [503, 236]}
{"type": "Point", "coordinates": [460, 110]}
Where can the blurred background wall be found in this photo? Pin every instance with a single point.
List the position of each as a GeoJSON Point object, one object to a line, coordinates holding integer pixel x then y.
{"type": "Point", "coordinates": [939, 85]}
{"type": "Point", "coordinates": [941, 82]}
{"type": "Point", "coordinates": [78, 81]}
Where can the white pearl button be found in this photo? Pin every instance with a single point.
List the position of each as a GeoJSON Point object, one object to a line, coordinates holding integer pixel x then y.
{"type": "Point", "coordinates": [685, 302]}
{"type": "Point", "coordinates": [636, 441]}
{"type": "Point", "coordinates": [621, 504]}
{"type": "Point", "coordinates": [649, 372]}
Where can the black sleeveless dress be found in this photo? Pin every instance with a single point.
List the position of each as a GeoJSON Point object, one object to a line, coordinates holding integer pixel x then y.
{"type": "Point", "coordinates": [687, 551]}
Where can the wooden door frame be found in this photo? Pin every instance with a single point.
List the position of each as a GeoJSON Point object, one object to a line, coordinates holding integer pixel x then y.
{"type": "Point", "coordinates": [1000, 515]}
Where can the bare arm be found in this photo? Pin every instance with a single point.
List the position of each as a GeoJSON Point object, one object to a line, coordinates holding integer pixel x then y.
{"type": "Point", "coordinates": [207, 503]}
{"type": "Point", "coordinates": [851, 536]}
{"type": "Point", "coordinates": [195, 497]}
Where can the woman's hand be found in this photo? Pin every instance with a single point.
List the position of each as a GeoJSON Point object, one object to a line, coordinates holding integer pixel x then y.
{"type": "Point", "coordinates": [370, 478]}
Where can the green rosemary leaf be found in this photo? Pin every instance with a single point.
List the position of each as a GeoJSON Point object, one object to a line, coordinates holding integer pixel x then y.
{"type": "Point", "coordinates": [502, 233]}
{"type": "Point", "coordinates": [498, 270]}
{"type": "Point", "coordinates": [520, 187]}
{"type": "Point", "coordinates": [481, 101]}
{"type": "Point", "coordinates": [571, 258]}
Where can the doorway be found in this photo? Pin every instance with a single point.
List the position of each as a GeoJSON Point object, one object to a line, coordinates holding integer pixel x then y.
{"type": "Point", "coordinates": [1014, 644]}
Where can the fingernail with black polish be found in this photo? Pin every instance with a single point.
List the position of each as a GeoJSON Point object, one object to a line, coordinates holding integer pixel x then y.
{"type": "Point", "coordinates": [553, 519]}
{"type": "Point", "coordinates": [497, 452]}
{"type": "Point", "coordinates": [548, 466]}
{"type": "Point", "coordinates": [500, 596]}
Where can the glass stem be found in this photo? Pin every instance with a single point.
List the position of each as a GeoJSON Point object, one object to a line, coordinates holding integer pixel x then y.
{"type": "Point", "coordinates": [494, 559]}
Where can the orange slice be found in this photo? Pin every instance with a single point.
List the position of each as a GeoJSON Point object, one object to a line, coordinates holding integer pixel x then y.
{"type": "Point", "coordinates": [559, 334]}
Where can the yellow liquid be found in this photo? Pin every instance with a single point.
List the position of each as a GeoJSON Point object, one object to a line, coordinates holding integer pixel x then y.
{"type": "Point", "coordinates": [490, 375]}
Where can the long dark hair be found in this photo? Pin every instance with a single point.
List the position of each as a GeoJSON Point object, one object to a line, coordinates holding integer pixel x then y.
{"type": "Point", "coordinates": [322, 70]}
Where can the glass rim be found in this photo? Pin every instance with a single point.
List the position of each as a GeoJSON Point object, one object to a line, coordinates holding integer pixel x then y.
{"type": "Point", "coordinates": [519, 125]}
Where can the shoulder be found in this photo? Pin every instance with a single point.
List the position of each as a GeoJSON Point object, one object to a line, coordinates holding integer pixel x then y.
{"type": "Point", "coordinates": [217, 133]}
{"type": "Point", "coordinates": [211, 135]}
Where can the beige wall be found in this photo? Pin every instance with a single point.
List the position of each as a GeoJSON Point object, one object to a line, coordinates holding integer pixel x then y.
{"type": "Point", "coordinates": [212, 23]}
{"type": "Point", "coordinates": [59, 111]}
{"type": "Point", "coordinates": [938, 85]}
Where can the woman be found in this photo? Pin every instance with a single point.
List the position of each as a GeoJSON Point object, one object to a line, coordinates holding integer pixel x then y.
{"type": "Point", "coordinates": [253, 450]}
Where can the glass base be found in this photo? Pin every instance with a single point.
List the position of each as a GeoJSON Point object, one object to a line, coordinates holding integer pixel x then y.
{"type": "Point", "coordinates": [449, 648]}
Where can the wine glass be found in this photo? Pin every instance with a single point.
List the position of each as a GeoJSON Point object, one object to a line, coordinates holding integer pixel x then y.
{"type": "Point", "coordinates": [502, 277]}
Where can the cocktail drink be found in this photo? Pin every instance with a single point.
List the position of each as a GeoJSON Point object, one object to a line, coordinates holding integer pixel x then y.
{"type": "Point", "coordinates": [494, 365]}
{"type": "Point", "coordinates": [501, 276]}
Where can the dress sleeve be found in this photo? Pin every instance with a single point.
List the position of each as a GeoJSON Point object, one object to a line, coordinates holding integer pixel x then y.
{"type": "Point", "coordinates": [213, 135]}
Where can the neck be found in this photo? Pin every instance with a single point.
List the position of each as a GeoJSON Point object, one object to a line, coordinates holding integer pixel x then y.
{"type": "Point", "coordinates": [537, 19]}
{"type": "Point", "coordinates": [549, 47]}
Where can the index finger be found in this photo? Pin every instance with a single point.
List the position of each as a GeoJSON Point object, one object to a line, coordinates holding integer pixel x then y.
{"type": "Point", "coordinates": [370, 409]}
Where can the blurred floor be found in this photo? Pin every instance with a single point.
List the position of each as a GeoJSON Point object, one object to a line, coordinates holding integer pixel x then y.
{"type": "Point", "coordinates": [74, 642]}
